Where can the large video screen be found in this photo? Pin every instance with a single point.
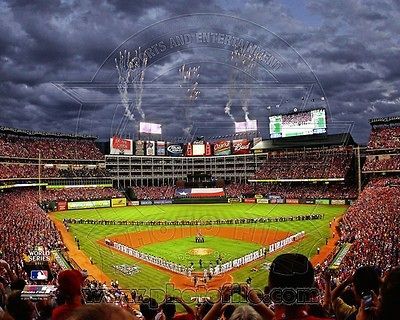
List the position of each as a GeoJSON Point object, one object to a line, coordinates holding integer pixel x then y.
{"type": "Point", "coordinates": [298, 124]}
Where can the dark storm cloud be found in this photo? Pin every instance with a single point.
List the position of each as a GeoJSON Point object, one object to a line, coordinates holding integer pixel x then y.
{"type": "Point", "coordinates": [352, 47]}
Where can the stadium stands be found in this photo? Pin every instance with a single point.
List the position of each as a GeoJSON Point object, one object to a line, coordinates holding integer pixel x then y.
{"type": "Point", "coordinates": [372, 225]}
{"type": "Point", "coordinates": [27, 170]}
{"type": "Point", "coordinates": [48, 147]}
{"type": "Point", "coordinates": [74, 194]}
{"type": "Point", "coordinates": [23, 226]}
{"type": "Point", "coordinates": [154, 193]}
{"type": "Point", "coordinates": [318, 164]}
{"type": "Point", "coordinates": [295, 190]}
{"type": "Point", "coordinates": [382, 163]}
{"type": "Point", "coordinates": [384, 138]}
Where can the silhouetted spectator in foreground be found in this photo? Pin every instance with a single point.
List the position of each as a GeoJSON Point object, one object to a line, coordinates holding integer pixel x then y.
{"type": "Point", "coordinates": [101, 311]}
{"type": "Point", "coordinates": [149, 308]}
{"type": "Point", "coordinates": [291, 285]}
{"type": "Point", "coordinates": [19, 309]}
{"type": "Point", "coordinates": [69, 286]}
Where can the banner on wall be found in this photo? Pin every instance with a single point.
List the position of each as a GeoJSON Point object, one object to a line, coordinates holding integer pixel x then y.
{"type": "Point", "coordinates": [162, 201]}
{"type": "Point", "coordinates": [133, 203]}
{"type": "Point", "coordinates": [260, 200]}
{"type": "Point", "coordinates": [292, 201]}
{"type": "Point", "coordinates": [146, 202]}
{"type": "Point", "coordinates": [234, 200]}
{"type": "Point", "coordinates": [333, 201]}
{"type": "Point", "coordinates": [88, 204]}
{"type": "Point", "coordinates": [249, 200]}
{"type": "Point", "coordinates": [62, 206]}
{"type": "Point", "coordinates": [118, 202]}
{"type": "Point", "coordinates": [322, 201]}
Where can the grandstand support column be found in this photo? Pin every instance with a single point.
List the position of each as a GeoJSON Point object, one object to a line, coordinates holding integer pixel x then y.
{"type": "Point", "coordinates": [359, 169]}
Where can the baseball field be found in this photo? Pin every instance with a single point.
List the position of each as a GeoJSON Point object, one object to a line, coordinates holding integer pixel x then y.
{"type": "Point", "coordinates": [176, 243]}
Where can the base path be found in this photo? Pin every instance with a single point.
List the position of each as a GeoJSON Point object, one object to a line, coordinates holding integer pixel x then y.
{"type": "Point", "coordinates": [327, 250]}
{"type": "Point", "coordinates": [78, 256]}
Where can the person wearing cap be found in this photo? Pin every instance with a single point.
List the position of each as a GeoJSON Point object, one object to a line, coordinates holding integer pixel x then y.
{"type": "Point", "coordinates": [69, 286]}
{"type": "Point", "coordinates": [291, 285]}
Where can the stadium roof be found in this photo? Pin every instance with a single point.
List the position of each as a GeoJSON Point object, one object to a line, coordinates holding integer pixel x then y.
{"type": "Point", "coordinates": [386, 120]}
{"type": "Point", "coordinates": [340, 139]}
{"type": "Point", "coordinates": [23, 132]}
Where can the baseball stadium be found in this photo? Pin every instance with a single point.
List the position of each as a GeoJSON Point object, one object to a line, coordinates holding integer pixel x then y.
{"type": "Point", "coordinates": [162, 216]}
{"type": "Point", "coordinates": [204, 170]}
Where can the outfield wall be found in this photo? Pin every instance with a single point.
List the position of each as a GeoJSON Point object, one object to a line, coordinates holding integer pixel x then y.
{"type": "Point", "coordinates": [62, 205]}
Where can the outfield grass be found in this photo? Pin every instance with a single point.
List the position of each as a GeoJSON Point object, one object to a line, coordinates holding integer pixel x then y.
{"type": "Point", "coordinates": [316, 233]}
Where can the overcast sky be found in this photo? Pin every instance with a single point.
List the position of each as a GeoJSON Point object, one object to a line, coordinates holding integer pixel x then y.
{"type": "Point", "coordinates": [352, 48]}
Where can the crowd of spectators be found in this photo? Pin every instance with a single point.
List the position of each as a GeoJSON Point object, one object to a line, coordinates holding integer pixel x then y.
{"type": "Point", "coordinates": [25, 170]}
{"type": "Point", "coordinates": [382, 163]}
{"type": "Point", "coordinates": [74, 194]}
{"type": "Point", "coordinates": [332, 163]}
{"type": "Point", "coordinates": [154, 193]}
{"type": "Point", "coordinates": [372, 225]}
{"type": "Point", "coordinates": [384, 138]}
{"type": "Point", "coordinates": [23, 226]}
{"type": "Point", "coordinates": [239, 189]}
{"type": "Point", "coordinates": [16, 170]}
{"type": "Point", "coordinates": [294, 190]}
{"type": "Point", "coordinates": [290, 293]}
{"type": "Point", "coordinates": [14, 146]}
{"type": "Point", "coordinates": [296, 119]}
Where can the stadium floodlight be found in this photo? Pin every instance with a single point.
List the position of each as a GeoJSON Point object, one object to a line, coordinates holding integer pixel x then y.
{"type": "Point", "coordinates": [246, 126]}
{"type": "Point", "coordinates": [151, 128]}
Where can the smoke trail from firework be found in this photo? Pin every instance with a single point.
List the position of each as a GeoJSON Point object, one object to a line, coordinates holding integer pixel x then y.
{"type": "Point", "coordinates": [228, 109]}
{"type": "Point", "coordinates": [124, 74]}
{"type": "Point", "coordinates": [139, 67]}
{"type": "Point", "coordinates": [189, 77]}
{"type": "Point", "coordinates": [248, 64]}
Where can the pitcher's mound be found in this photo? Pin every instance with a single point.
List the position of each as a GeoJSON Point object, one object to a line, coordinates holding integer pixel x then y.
{"type": "Point", "coordinates": [201, 251]}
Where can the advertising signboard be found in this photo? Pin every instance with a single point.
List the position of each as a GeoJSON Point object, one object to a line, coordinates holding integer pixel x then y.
{"type": "Point", "coordinates": [222, 147]}
{"type": "Point", "coordinates": [175, 150]}
{"type": "Point", "coordinates": [121, 146]}
{"type": "Point", "coordinates": [150, 148]}
{"type": "Point", "coordinates": [61, 205]}
{"type": "Point", "coordinates": [241, 146]}
{"type": "Point", "coordinates": [161, 148]}
{"type": "Point", "coordinates": [118, 202]}
{"type": "Point", "coordinates": [88, 204]}
{"type": "Point", "coordinates": [139, 150]}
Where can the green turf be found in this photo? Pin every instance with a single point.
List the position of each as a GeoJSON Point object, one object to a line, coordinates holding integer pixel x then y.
{"type": "Point", "coordinates": [179, 250]}
{"type": "Point", "coordinates": [316, 233]}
